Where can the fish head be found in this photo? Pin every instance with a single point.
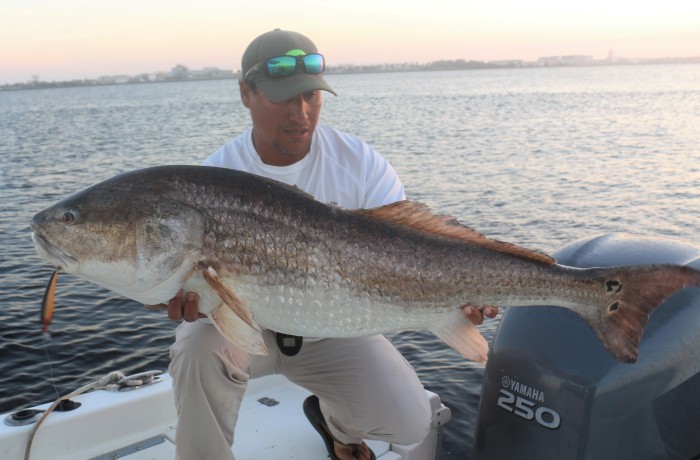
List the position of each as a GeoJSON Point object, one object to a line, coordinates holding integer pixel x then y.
{"type": "Point", "coordinates": [129, 234]}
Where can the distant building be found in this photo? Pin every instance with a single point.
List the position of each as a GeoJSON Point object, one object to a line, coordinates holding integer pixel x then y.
{"type": "Point", "coordinates": [574, 59]}
{"type": "Point", "coordinates": [549, 61]}
{"type": "Point", "coordinates": [114, 79]}
{"type": "Point", "coordinates": [179, 72]}
{"type": "Point", "coordinates": [211, 72]}
{"type": "Point", "coordinates": [507, 63]}
{"type": "Point", "coordinates": [577, 60]}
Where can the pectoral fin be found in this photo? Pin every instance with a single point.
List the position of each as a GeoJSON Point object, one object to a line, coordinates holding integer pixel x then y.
{"type": "Point", "coordinates": [232, 318]}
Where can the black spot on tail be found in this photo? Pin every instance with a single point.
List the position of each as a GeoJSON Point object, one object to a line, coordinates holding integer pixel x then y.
{"type": "Point", "coordinates": [626, 311]}
{"type": "Point", "coordinates": [613, 286]}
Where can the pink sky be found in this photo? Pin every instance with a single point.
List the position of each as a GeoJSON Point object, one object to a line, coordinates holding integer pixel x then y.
{"type": "Point", "coordinates": [74, 39]}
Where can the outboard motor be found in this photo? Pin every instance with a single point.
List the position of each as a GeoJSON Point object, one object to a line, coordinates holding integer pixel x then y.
{"type": "Point", "coordinates": [552, 392]}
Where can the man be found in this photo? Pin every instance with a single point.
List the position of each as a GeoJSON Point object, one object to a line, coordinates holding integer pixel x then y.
{"type": "Point", "coordinates": [363, 388]}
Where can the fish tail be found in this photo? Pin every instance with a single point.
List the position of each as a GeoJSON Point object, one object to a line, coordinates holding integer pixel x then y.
{"type": "Point", "coordinates": [630, 295]}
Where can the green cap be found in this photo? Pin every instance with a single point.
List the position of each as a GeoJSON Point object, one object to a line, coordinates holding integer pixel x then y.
{"type": "Point", "coordinates": [279, 43]}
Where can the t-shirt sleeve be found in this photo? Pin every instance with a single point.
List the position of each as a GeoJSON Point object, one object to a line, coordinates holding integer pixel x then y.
{"type": "Point", "coordinates": [383, 183]}
{"type": "Point", "coordinates": [231, 155]}
{"type": "Point", "coordinates": [215, 159]}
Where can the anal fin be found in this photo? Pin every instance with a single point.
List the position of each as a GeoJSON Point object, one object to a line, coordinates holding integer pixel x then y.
{"type": "Point", "coordinates": [463, 337]}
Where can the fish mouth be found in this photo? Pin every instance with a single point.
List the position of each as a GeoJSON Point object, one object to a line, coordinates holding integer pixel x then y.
{"type": "Point", "coordinates": [51, 253]}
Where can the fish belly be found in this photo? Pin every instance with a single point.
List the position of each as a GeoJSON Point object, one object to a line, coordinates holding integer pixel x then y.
{"type": "Point", "coordinates": [324, 312]}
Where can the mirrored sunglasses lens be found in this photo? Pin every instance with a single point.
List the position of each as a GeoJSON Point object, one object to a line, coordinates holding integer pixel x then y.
{"type": "Point", "coordinates": [282, 66]}
{"type": "Point", "coordinates": [314, 63]}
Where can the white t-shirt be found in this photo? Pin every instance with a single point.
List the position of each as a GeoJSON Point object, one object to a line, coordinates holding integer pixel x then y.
{"type": "Point", "coordinates": [339, 169]}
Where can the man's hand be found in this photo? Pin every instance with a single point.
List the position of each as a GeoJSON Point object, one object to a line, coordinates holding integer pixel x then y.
{"type": "Point", "coordinates": [476, 315]}
{"type": "Point", "coordinates": [182, 306]}
{"type": "Point", "coordinates": [186, 306]}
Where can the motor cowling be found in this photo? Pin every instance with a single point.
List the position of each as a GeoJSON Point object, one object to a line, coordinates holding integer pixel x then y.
{"type": "Point", "coordinates": [551, 391]}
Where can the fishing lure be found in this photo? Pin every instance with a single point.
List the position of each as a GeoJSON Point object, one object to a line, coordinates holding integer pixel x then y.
{"type": "Point", "coordinates": [47, 304]}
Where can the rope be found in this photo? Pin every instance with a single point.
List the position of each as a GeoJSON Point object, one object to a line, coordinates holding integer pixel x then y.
{"type": "Point", "coordinates": [103, 382]}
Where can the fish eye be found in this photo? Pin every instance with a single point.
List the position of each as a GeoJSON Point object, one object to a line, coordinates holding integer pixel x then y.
{"type": "Point", "coordinates": [69, 217]}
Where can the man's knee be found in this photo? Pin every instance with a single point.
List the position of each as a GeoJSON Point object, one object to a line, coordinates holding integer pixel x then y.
{"type": "Point", "coordinates": [204, 352]}
{"type": "Point", "coordinates": [411, 422]}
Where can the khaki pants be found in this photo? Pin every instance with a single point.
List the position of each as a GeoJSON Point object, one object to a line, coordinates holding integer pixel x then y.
{"type": "Point", "coordinates": [366, 388]}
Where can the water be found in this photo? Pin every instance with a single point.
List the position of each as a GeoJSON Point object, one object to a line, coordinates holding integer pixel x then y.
{"type": "Point", "coordinates": [539, 157]}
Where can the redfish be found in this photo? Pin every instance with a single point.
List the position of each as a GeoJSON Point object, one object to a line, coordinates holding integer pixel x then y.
{"type": "Point", "coordinates": [262, 254]}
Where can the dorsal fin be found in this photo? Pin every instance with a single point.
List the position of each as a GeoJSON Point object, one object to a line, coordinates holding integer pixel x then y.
{"type": "Point", "coordinates": [419, 217]}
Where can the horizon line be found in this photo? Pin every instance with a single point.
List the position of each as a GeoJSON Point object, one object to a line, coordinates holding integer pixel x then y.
{"type": "Point", "coordinates": [571, 60]}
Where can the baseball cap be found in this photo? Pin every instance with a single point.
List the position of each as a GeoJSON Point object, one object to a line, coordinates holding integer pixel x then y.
{"type": "Point", "coordinates": [280, 43]}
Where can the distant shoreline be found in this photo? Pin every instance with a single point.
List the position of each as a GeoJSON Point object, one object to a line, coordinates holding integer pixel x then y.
{"type": "Point", "coordinates": [181, 73]}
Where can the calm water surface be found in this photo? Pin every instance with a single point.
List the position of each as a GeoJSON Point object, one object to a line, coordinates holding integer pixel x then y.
{"type": "Point", "coordinates": [539, 157]}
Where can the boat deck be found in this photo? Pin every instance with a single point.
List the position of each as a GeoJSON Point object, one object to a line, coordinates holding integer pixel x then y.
{"type": "Point", "coordinates": [140, 425]}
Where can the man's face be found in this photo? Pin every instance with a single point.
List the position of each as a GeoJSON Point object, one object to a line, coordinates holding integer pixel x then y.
{"type": "Point", "coordinates": [282, 130]}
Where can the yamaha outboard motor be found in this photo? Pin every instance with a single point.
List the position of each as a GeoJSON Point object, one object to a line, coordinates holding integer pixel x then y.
{"type": "Point", "coordinates": [552, 392]}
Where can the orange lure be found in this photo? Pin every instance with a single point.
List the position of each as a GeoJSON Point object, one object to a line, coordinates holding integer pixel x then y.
{"type": "Point", "coordinates": [47, 305]}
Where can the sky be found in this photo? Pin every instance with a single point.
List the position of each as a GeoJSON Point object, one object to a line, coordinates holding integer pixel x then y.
{"type": "Point", "coordinates": [76, 39]}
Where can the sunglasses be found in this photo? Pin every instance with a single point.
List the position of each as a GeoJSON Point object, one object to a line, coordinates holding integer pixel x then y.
{"type": "Point", "coordinates": [285, 66]}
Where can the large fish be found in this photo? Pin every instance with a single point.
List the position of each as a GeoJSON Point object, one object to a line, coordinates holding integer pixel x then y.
{"type": "Point", "coordinates": [264, 254]}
